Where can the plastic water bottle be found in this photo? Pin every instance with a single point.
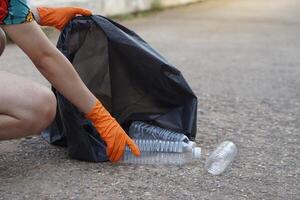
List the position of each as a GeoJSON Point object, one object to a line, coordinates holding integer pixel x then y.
{"type": "Point", "coordinates": [162, 158]}
{"type": "Point", "coordinates": [221, 158]}
{"type": "Point", "coordinates": [163, 146]}
{"type": "Point", "coordinates": [140, 129]}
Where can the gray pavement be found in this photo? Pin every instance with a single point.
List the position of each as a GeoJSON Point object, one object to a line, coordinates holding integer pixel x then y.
{"type": "Point", "coordinates": [242, 60]}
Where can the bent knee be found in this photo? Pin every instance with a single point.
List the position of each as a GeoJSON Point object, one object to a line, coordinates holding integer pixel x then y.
{"type": "Point", "coordinates": [43, 113]}
{"type": "Point", "coordinates": [48, 107]}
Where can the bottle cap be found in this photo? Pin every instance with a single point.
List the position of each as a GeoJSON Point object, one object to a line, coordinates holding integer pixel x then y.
{"type": "Point", "coordinates": [189, 146]}
{"type": "Point", "coordinates": [197, 152]}
{"type": "Point", "coordinates": [192, 144]}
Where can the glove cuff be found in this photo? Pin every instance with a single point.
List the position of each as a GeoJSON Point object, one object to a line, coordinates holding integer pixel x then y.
{"type": "Point", "coordinates": [98, 113]}
{"type": "Point", "coordinates": [91, 114]}
{"type": "Point", "coordinates": [101, 118]}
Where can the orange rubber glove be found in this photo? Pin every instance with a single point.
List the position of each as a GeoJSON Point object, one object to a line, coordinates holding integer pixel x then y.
{"type": "Point", "coordinates": [59, 17]}
{"type": "Point", "coordinates": [111, 132]}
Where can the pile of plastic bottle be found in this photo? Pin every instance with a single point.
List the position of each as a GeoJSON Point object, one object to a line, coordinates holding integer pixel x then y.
{"type": "Point", "coordinates": [165, 147]}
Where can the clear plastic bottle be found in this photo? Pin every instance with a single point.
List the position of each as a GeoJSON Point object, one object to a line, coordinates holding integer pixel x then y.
{"type": "Point", "coordinates": [221, 158]}
{"type": "Point", "coordinates": [163, 146]}
{"type": "Point", "coordinates": [142, 130]}
{"type": "Point", "coordinates": [162, 158]}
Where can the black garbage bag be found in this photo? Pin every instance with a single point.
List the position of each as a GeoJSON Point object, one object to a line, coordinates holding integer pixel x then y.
{"type": "Point", "coordinates": [132, 80]}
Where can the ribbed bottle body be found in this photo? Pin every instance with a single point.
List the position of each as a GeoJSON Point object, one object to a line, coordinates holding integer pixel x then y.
{"type": "Point", "coordinates": [146, 131]}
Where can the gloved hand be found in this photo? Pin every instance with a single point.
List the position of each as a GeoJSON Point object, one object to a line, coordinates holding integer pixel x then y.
{"type": "Point", "coordinates": [59, 17]}
{"type": "Point", "coordinates": [111, 132]}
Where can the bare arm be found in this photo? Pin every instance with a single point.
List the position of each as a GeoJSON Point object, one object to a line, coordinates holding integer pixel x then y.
{"type": "Point", "coordinates": [51, 63]}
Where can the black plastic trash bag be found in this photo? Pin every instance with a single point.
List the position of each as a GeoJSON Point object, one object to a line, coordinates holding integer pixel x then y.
{"type": "Point", "coordinates": [132, 80]}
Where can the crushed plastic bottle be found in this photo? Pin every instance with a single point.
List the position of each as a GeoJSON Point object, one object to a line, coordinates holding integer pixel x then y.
{"type": "Point", "coordinates": [218, 161]}
{"type": "Point", "coordinates": [163, 146]}
{"type": "Point", "coordinates": [141, 130]}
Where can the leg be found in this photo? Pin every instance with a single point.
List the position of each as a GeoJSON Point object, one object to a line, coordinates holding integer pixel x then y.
{"type": "Point", "coordinates": [25, 106]}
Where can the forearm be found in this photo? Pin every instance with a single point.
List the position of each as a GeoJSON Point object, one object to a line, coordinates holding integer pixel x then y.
{"type": "Point", "coordinates": [61, 74]}
{"type": "Point", "coordinates": [74, 89]}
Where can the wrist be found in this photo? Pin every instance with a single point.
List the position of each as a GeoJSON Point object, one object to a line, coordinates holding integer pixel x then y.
{"type": "Point", "coordinates": [36, 14]}
{"type": "Point", "coordinates": [99, 113]}
{"type": "Point", "coordinates": [2, 41]}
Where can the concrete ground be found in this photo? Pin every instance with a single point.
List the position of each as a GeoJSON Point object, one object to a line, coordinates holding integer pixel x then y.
{"type": "Point", "coordinates": [242, 60]}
